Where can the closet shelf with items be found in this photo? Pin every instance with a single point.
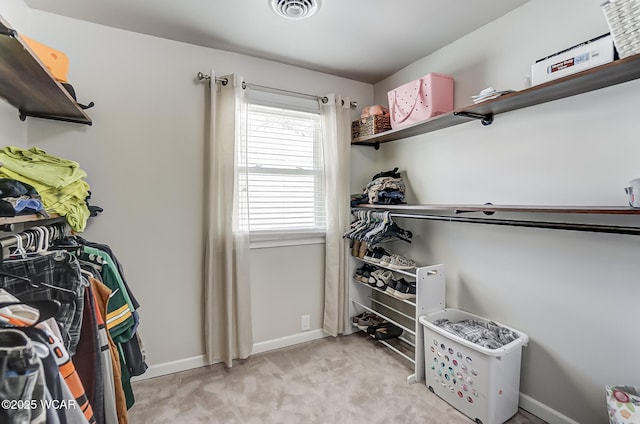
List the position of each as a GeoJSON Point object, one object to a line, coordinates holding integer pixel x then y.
{"type": "Point", "coordinates": [31, 180]}
{"type": "Point", "coordinates": [10, 223]}
{"type": "Point", "coordinates": [489, 208]}
{"type": "Point", "coordinates": [28, 86]}
{"type": "Point", "coordinates": [602, 76]}
{"type": "Point", "coordinates": [427, 212]}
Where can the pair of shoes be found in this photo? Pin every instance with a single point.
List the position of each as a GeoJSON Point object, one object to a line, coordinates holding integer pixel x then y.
{"type": "Point", "coordinates": [398, 262]}
{"type": "Point", "coordinates": [376, 254]}
{"type": "Point", "coordinates": [391, 287]}
{"type": "Point", "coordinates": [363, 273]}
{"type": "Point", "coordinates": [404, 289]}
{"type": "Point", "coordinates": [372, 328]}
{"type": "Point", "coordinates": [387, 331]}
{"type": "Point", "coordinates": [361, 316]}
{"type": "Point", "coordinates": [362, 249]}
{"type": "Point", "coordinates": [380, 278]}
{"type": "Point", "coordinates": [369, 320]}
{"type": "Point", "coordinates": [368, 256]}
{"type": "Point", "coordinates": [355, 248]}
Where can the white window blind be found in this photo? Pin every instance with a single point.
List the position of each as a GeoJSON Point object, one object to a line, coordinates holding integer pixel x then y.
{"type": "Point", "coordinates": [284, 167]}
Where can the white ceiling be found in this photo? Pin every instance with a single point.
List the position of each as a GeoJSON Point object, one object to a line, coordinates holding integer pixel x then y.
{"type": "Point", "coordinates": [364, 40]}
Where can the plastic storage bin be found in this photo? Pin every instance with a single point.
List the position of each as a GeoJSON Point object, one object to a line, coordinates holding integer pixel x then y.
{"type": "Point", "coordinates": [483, 384]}
{"type": "Point", "coordinates": [623, 403]}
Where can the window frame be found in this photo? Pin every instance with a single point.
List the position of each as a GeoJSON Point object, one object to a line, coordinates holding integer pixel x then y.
{"type": "Point", "coordinates": [282, 236]}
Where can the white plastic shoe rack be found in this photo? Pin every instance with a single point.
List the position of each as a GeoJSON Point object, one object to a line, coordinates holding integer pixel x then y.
{"type": "Point", "coordinates": [430, 297]}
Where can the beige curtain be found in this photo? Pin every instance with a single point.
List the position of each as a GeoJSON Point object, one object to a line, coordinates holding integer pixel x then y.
{"type": "Point", "coordinates": [336, 139]}
{"type": "Point", "coordinates": [228, 333]}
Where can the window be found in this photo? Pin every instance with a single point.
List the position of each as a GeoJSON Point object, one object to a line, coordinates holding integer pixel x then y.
{"type": "Point", "coordinates": [285, 169]}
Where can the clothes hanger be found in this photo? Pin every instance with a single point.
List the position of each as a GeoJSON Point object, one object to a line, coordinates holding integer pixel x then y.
{"type": "Point", "coordinates": [38, 285]}
{"type": "Point", "coordinates": [30, 240]}
{"type": "Point", "coordinates": [19, 249]}
{"type": "Point", "coordinates": [42, 240]}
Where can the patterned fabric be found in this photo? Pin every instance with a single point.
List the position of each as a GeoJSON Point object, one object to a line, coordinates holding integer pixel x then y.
{"type": "Point", "coordinates": [486, 334]}
{"type": "Point", "coordinates": [623, 404]}
{"type": "Point", "coordinates": [48, 272]}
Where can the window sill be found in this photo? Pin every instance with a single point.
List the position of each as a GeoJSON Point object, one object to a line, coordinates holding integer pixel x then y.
{"type": "Point", "coordinates": [261, 241]}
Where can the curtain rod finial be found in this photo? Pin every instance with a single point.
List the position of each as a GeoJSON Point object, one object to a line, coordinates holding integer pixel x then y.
{"type": "Point", "coordinates": [202, 76]}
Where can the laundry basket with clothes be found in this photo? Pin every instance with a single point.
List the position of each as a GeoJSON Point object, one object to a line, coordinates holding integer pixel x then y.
{"type": "Point", "coordinates": [473, 363]}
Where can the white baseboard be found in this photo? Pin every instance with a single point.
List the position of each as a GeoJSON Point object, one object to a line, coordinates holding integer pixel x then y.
{"type": "Point", "coordinates": [200, 361]}
{"type": "Point", "coordinates": [172, 367]}
{"type": "Point", "coordinates": [307, 336]}
{"type": "Point", "coordinates": [544, 412]}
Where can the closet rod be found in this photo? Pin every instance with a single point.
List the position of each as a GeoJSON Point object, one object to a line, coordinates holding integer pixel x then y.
{"type": "Point", "coordinates": [591, 228]}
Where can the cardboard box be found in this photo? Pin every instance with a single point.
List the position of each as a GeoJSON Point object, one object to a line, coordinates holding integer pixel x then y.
{"type": "Point", "coordinates": [56, 62]}
{"type": "Point", "coordinates": [589, 54]}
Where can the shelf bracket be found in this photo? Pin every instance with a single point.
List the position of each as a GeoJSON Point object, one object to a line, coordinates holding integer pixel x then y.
{"type": "Point", "coordinates": [458, 211]}
{"type": "Point", "coordinates": [23, 116]}
{"type": "Point", "coordinates": [8, 32]}
{"type": "Point", "coordinates": [485, 119]}
{"type": "Point", "coordinates": [375, 145]}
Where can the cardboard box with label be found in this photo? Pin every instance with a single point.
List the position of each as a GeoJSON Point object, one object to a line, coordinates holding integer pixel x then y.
{"type": "Point", "coordinates": [589, 54]}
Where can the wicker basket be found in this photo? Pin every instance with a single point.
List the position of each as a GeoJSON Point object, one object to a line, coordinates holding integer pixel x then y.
{"type": "Point", "coordinates": [623, 17]}
{"type": "Point", "coordinates": [370, 125]}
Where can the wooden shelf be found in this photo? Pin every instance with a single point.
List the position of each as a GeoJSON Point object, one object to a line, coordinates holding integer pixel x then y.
{"type": "Point", "coordinates": [19, 219]}
{"type": "Point", "coordinates": [606, 75]}
{"type": "Point", "coordinates": [593, 210]}
{"type": "Point", "coordinates": [28, 86]}
{"type": "Point", "coordinates": [426, 212]}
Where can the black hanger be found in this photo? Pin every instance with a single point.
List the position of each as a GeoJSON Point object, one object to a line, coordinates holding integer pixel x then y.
{"type": "Point", "coordinates": [38, 285]}
{"type": "Point", "coordinates": [18, 277]}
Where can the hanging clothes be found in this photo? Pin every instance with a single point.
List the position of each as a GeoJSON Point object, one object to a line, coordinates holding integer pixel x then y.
{"type": "Point", "coordinates": [38, 389]}
{"type": "Point", "coordinates": [115, 405]}
{"type": "Point", "coordinates": [55, 276]}
{"type": "Point", "coordinates": [85, 353]}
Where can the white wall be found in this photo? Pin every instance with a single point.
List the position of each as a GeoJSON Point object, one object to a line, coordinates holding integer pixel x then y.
{"type": "Point", "coordinates": [575, 294]}
{"type": "Point", "coordinates": [144, 157]}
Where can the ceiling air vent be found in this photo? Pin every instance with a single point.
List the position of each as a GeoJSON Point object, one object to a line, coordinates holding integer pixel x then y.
{"type": "Point", "coordinates": [295, 9]}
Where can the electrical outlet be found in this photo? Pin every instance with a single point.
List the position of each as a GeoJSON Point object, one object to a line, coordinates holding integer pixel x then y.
{"type": "Point", "coordinates": [305, 323]}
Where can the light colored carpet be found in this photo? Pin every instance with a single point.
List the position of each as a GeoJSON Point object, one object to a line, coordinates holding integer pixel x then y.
{"type": "Point", "coordinates": [348, 380]}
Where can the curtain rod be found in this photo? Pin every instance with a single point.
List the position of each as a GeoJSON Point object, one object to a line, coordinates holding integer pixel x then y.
{"type": "Point", "coordinates": [203, 77]}
{"type": "Point", "coordinates": [225, 81]}
{"type": "Point", "coordinates": [592, 228]}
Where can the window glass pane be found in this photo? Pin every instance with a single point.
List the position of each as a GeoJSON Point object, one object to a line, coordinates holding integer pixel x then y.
{"type": "Point", "coordinates": [285, 170]}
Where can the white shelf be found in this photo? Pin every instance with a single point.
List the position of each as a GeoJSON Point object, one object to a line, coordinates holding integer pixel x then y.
{"type": "Point", "coordinates": [430, 297]}
{"type": "Point", "coordinates": [400, 271]}
{"type": "Point", "coordinates": [411, 302]}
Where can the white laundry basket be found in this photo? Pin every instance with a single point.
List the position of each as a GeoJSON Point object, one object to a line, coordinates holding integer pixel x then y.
{"type": "Point", "coordinates": [483, 384]}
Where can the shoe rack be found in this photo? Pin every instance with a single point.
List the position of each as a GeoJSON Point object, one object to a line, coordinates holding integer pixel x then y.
{"type": "Point", "coordinates": [430, 297]}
